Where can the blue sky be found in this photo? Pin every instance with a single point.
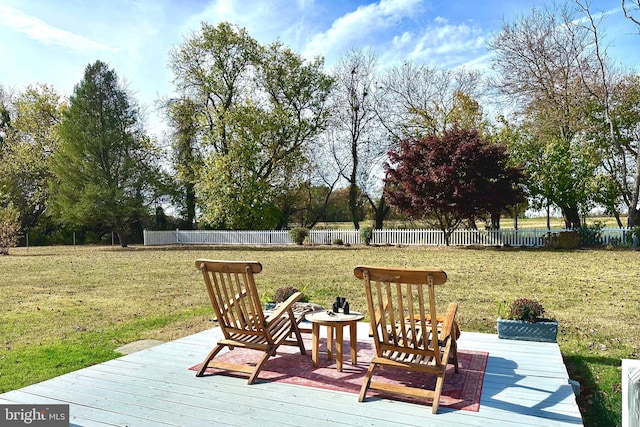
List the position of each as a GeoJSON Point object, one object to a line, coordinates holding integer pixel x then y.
{"type": "Point", "coordinates": [43, 41]}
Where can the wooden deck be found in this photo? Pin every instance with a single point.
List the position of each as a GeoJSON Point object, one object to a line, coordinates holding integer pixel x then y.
{"type": "Point", "coordinates": [525, 384]}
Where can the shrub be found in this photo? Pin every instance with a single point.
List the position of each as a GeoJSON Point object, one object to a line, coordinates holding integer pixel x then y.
{"type": "Point", "coordinates": [9, 228]}
{"type": "Point", "coordinates": [525, 309]}
{"type": "Point", "coordinates": [591, 235]}
{"type": "Point", "coordinates": [632, 238]}
{"type": "Point", "coordinates": [366, 233]}
{"type": "Point", "coordinates": [338, 241]}
{"type": "Point", "coordinates": [298, 235]}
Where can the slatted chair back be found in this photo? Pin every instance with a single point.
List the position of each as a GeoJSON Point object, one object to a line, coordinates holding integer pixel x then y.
{"type": "Point", "coordinates": [407, 331]}
{"type": "Point", "coordinates": [234, 296]}
{"type": "Point", "coordinates": [404, 304]}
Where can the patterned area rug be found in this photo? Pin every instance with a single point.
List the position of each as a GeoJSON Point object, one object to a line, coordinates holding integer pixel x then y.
{"type": "Point", "coordinates": [460, 391]}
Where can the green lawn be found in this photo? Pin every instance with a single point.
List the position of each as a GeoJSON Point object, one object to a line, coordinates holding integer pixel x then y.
{"type": "Point", "coordinates": [64, 308]}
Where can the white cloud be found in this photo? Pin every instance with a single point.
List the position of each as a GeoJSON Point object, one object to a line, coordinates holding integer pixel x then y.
{"type": "Point", "coordinates": [44, 33]}
{"type": "Point", "coordinates": [360, 25]}
{"type": "Point", "coordinates": [402, 40]}
{"type": "Point", "coordinates": [444, 44]}
{"type": "Point", "coordinates": [265, 20]}
{"type": "Point", "coordinates": [438, 44]}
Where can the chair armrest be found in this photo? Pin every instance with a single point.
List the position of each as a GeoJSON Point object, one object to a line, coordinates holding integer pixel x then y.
{"type": "Point", "coordinates": [449, 322]}
{"type": "Point", "coordinates": [287, 305]}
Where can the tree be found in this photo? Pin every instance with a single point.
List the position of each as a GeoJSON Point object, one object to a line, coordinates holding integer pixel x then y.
{"type": "Point", "coordinates": [213, 69]}
{"type": "Point", "coordinates": [447, 179]}
{"type": "Point", "coordinates": [417, 100]}
{"type": "Point", "coordinates": [5, 117]}
{"type": "Point", "coordinates": [626, 101]}
{"type": "Point", "coordinates": [618, 141]}
{"type": "Point", "coordinates": [414, 100]}
{"type": "Point", "coordinates": [105, 167]}
{"type": "Point", "coordinates": [631, 11]}
{"type": "Point", "coordinates": [358, 145]}
{"type": "Point", "coordinates": [182, 114]}
{"type": "Point", "coordinates": [9, 227]}
{"type": "Point", "coordinates": [31, 138]}
{"type": "Point", "coordinates": [263, 107]}
{"type": "Point", "coordinates": [542, 61]}
{"type": "Point", "coordinates": [297, 112]}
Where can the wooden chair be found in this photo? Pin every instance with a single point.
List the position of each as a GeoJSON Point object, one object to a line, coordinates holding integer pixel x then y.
{"type": "Point", "coordinates": [401, 304]}
{"type": "Point", "coordinates": [234, 296]}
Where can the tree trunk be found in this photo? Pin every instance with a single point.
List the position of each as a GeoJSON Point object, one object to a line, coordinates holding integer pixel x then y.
{"type": "Point", "coordinates": [633, 219]}
{"type": "Point", "coordinates": [571, 217]}
{"type": "Point", "coordinates": [548, 216]}
{"type": "Point", "coordinates": [122, 238]}
{"type": "Point", "coordinates": [283, 220]}
{"type": "Point", "coordinates": [353, 203]}
{"type": "Point", "coordinates": [190, 203]}
{"type": "Point", "coordinates": [381, 210]}
{"type": "Point", "coordinates": [447, 237]}
{"type": "Point", "coordinates": [618, 220]}
{"type": "Point", "coordinates": [495, 221]}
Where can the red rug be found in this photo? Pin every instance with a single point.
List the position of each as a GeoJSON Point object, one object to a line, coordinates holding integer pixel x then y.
{"type": "Point", "coordinates": [460, 391]}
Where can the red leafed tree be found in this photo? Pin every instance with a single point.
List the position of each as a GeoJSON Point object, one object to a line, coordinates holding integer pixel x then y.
{"type": "Point", "coordinates": [446, 179]}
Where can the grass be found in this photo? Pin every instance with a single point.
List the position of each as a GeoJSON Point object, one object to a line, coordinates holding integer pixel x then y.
{"type": "Point", "coordinates": [64, 308]}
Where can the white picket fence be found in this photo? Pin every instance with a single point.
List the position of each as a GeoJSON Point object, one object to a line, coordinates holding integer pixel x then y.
{"type": "Point", "coordinates": [418, 237]}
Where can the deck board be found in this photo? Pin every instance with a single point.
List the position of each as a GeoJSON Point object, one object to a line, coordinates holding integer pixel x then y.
{"type": "Point", "coordinates": [525, 383]}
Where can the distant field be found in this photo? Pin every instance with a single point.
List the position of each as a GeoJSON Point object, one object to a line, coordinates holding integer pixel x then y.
{"type": "Point", "coordinates": [64, 308]}
{"type": "Point", "coordinates": [537, 223]}
{"type": "Point", "coordinates": [541, 222]}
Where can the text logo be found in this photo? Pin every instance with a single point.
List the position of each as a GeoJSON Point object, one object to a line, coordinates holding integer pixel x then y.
{"type": "Point", "coordinates": [34, 415]}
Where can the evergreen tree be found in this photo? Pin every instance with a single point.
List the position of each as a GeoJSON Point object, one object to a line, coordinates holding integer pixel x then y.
{"type": "Point", "coordinates": [105, 167]}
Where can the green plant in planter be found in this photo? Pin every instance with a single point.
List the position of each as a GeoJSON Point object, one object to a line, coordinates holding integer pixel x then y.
{"type": "Point", "coordinates": [523, 321]}
{"type": "Point", "coordinates": [525, 309]}
{"type": "Point", "coordinates": [283, 293]}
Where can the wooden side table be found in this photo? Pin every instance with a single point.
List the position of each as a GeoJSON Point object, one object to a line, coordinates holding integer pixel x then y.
{"type": "Point", "coordinates": [333, 321]}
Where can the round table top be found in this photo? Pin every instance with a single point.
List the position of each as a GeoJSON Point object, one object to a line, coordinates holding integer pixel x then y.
{"type": "Point", "coordinates": [325, 317]}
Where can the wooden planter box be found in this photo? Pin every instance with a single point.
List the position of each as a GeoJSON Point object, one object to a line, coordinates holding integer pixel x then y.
{"type": "Point", "coordinates": [527, 331]}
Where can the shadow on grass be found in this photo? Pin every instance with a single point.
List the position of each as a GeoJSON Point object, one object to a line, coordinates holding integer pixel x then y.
{"type": "Point", "coordinates": [594, 406]}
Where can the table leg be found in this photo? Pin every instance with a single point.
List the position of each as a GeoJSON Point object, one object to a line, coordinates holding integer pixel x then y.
{"type": "Point", "coordinates": [330, 342]}
{"type": "Point", "coordinates": [353, 338]}
{"type": "Point", "coordinates": [315, 343]}
{"type": "Point", "coordinates": [339, 330]}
